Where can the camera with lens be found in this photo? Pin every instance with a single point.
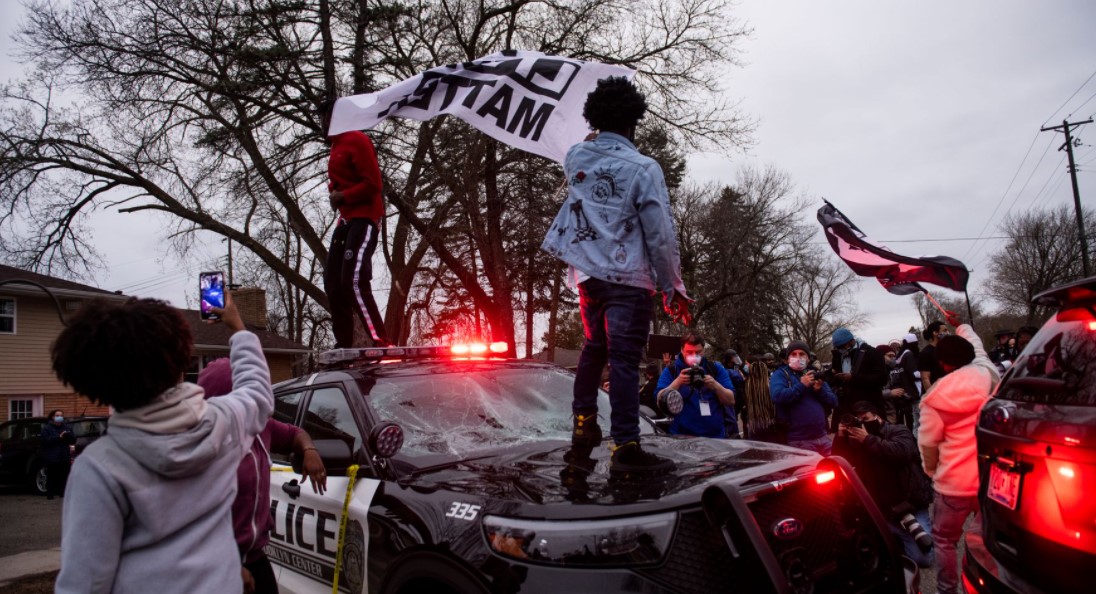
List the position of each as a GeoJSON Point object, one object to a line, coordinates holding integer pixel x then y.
{"type": "Point", "coordinates": [903, 513]}
{"type": "Point", "coordinates": [696, 377]}
{"type": "Point", "coordinates": [851, 420]}
{"type": "Point", "coordinates": [669, 403]}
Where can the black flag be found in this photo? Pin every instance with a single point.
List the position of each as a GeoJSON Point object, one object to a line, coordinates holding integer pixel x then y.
{"type": "Point", "coordinates": [898, 274]}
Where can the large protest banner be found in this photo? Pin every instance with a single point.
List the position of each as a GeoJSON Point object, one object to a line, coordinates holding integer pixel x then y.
{"type": "Point", "coordinates": [528, 100]}
{"type": "Point", "coordinates": [898, 274]}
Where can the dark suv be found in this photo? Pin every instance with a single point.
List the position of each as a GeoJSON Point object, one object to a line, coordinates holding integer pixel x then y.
{"type": "Point", "coordinates": [450, 475]}
{"type": "Point", "coordinates": [19, 444]}
{"type": "Point", "coordinates": [1037, 459]}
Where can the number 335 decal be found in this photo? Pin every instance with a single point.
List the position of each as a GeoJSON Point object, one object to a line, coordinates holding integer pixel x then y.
{"type": "Point", "coordinates": [463, 511]}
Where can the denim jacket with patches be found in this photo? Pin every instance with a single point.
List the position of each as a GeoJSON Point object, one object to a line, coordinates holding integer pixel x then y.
{"type": "Point", "coordinates": [616, 224]}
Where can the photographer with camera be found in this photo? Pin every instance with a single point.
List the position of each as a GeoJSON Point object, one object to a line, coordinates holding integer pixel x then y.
{"type": "Point", "coordinates": [802, 400]}
{"type": "Point", "coordinates": [705, 388]}
{"type": "Point", "coordinates": [886, 458]}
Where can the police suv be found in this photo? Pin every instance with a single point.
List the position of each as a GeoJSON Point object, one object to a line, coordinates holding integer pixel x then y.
{"type": "Point", "coordinates": [451, 470]}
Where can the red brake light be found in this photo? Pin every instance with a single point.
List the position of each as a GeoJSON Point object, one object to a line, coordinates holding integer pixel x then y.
{"type": "Point", "coordinates": [460, 349]}
{"type": "Point", "coordinates": [825, 477]}
{"type": "Point", "coordinates": [1092, 325]}
{"type": "Point", "coordinates": [499, 347]}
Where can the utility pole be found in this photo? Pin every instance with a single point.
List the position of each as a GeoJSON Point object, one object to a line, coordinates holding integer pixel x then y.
{"type": "Point", "coordinates": [1065, 128]}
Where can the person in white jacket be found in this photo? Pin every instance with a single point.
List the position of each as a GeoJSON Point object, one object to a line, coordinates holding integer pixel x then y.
{"type": "Point", "coordinates": [949, 453]}
{"type": "Point", "coordinates": [148, 507]}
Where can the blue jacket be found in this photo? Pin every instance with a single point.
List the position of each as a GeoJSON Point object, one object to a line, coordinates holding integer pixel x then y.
{"type": "Point", "coordinates": [615, 224]}
{"type": "Point", "coordinates": [803, 409]}
{"type": "Point", "coordinates": [55, 449]}
{"type": "Point", "coordinates": [690, 421]}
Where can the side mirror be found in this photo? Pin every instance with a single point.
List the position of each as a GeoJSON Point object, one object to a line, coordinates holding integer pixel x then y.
{"type": "Point", "coordinates": [335, 453]}
{"type": "Point", "coordinates": [386, 439]}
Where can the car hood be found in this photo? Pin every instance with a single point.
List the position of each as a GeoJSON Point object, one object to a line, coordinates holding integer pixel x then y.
{"type": "Point", "coordinates": [556, 473]}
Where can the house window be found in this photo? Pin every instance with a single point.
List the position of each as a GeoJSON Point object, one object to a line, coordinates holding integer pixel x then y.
{"type": "Point", "coordinates": [7, 315]}
{"type": "Point", "coordinates": [21, 408]}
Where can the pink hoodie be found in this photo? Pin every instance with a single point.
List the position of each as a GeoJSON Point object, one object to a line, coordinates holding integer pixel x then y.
{"type": "Point", "coordinates": [949, 412]}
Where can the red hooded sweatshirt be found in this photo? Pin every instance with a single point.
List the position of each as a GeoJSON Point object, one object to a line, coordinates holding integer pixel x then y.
{"type": "Point", "coordinates": [353, 170]}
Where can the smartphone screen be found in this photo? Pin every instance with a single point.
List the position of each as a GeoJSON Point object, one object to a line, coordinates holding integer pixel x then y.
{"type": "Point", "coordinates": [211, 293]}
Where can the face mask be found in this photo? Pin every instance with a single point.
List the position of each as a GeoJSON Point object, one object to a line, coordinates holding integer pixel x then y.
{"type": "Point", "coordinates": [797, 363]}
{"type": "Point", "coordinates": [891, 362]}
{"type": "Point", "coordinates": [692, 360]}
{"type": "Point", "coordinates": [58, 419]}
{"type": "Point", "coordinates": [746, 367]}
{"type": "Point", "coordinates": [873, 427]}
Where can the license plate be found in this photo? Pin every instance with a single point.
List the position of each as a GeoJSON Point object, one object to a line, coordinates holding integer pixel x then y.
{"type": "Point", "coordinates": [1004, 486]}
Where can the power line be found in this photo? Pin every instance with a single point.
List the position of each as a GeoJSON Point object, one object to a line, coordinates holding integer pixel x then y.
{"type": "Point", "coordinates": [1002, 199]}
{"type": "Point", "coordinates": [1070, 98]}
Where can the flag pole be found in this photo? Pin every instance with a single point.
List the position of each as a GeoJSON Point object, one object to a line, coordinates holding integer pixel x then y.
{"type": "Point", "coordinates": [936, 303]}
{"type": "Point", "coordinates": [970, 312]}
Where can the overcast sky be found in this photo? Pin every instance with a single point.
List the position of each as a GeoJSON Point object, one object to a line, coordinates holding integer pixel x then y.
{"type": "Point", "coordinates": [919, 120]}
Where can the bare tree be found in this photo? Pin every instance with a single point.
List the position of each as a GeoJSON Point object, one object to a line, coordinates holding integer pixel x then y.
{"type": "Point", "coordinates": [204, 111]}
{"type": "Point", "coordinates": [1042, 251]}
{"type": "Point", "coordinates": [820, 301]}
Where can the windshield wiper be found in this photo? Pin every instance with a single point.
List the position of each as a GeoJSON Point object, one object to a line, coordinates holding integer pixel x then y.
{"type": "Point", "coordinates": [445, 465]}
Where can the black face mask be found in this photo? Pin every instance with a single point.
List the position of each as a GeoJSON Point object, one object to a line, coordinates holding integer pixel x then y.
{"type": "Point", "coordinates": [873, 427]}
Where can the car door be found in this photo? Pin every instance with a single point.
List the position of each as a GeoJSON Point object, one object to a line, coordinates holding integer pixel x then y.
{"type": "Point", "coordinates": [306, 543]}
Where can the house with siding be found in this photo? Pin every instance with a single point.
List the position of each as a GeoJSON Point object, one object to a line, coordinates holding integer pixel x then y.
{"type": "Point", "coordinates": [30, 319]}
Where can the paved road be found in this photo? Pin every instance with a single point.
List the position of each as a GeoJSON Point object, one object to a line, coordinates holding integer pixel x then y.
{"type": "Point", "coordinates": [30, 522]}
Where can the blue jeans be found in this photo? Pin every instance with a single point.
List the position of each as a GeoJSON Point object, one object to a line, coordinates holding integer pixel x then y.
{"type": "Point", "coordinates": [823, 445]}
{"type": "Point", "coordinates": [948, 515]}
{"type": "Point", "coordinates": [921, 558]}
{"type": "Point", "coordinates": [616, 320]}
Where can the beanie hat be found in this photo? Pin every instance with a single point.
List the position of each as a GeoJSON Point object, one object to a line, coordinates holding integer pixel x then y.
{"type": "Point", "coordinates": [954, 350]}
{"type": "Point", "coordinates": [885, 348]}
{"type": "Point", "coordinates": [910, 338]}
{"type": "Point", "coordinates": [797, 345]}
{"type": "Point", "coordinates": [841, 336]}
{"type": "Point", "coordinates": [216, 378]}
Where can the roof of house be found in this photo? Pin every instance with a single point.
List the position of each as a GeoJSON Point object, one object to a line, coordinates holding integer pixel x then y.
{"type": "Point", "coordinates": [215, 336]}
{"type": "Point", "coordinates": [59, 286]}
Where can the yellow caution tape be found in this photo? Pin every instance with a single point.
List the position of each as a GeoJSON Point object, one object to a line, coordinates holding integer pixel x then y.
{"type": "Point", "coordinates": [351, 472]}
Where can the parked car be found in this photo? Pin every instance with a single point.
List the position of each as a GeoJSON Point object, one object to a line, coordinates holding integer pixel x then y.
{"type": "Point", "coordinates": [465, 480]}
{"type": "Point", "coordinates": [1037, 459]}
{"type": "Point", "coordinates": [19, 448]}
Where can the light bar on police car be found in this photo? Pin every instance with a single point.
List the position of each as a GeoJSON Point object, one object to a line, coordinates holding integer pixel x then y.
{"type": "Point", "coordinates": [335, 356]}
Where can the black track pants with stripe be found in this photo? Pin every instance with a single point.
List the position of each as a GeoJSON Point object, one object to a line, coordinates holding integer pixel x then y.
{"type": "Point", "coordinates": [346, 281]}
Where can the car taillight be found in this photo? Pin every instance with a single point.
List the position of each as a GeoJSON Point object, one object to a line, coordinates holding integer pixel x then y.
{"type": "Point", "coordinates": [825, 477]}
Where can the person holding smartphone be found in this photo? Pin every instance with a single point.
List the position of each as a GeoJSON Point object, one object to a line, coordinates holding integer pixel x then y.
{"type": "Point", "coordinates": [355, 185]}
{"type": "Point", "coordinates": [147, 500]}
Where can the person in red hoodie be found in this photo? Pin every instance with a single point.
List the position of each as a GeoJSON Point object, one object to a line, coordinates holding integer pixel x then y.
{"type": "Point", "coordinates": [355, 185]}
{"type": "Point", "coordinates": [251, 519]}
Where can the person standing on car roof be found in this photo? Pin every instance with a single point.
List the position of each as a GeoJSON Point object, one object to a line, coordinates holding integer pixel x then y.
{"type": "Point", "coordinates": [616, 232]}
{"type": "Point", "coordinates": [705, 387]}
{"type": "Point", "coordinates": [251, 519]}
{"type": "Point", "coordinates": [149, 503]}
{"type": "Point", "coordinates": [949, 452]}
{"type": "Point", "coordinates": [355, 185]}
{"type": "Point", "coordinates": [56, 438]}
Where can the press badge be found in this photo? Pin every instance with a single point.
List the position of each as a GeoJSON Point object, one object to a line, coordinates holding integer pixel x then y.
{"type": "Point", "coordinates": [705, 408]}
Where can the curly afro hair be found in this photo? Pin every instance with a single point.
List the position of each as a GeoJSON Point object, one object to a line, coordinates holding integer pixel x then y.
{"type": "Point", "coordinates": [616, 105]}
{"type": "Point", "coordinates": [123, 354]}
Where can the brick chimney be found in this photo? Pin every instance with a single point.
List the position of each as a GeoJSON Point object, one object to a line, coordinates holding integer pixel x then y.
{"type": "Point", "coordinates": [251, 301]}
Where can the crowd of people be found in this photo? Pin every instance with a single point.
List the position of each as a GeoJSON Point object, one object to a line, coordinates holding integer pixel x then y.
{"type": "Point", "coordinates": [902, 414]}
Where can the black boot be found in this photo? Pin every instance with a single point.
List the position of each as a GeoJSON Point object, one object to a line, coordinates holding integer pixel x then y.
{"type": "Point", "coordinates": [586, 431]}
{"type": "Point", "coordinates": [631, 458]}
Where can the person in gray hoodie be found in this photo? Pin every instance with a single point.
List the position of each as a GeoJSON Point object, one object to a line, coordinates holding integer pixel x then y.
{"type": "Point", "coordinates": [149, 505]}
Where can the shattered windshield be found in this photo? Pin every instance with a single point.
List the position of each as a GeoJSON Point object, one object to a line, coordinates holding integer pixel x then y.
{"type": "Point", "coordinates": [482, 407]}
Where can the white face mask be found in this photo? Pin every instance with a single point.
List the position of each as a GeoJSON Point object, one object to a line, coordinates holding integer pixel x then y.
{"type": "Point", "coordinates": [691, 360]}
{"type": "Point", "coordinates": [797, 363]}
